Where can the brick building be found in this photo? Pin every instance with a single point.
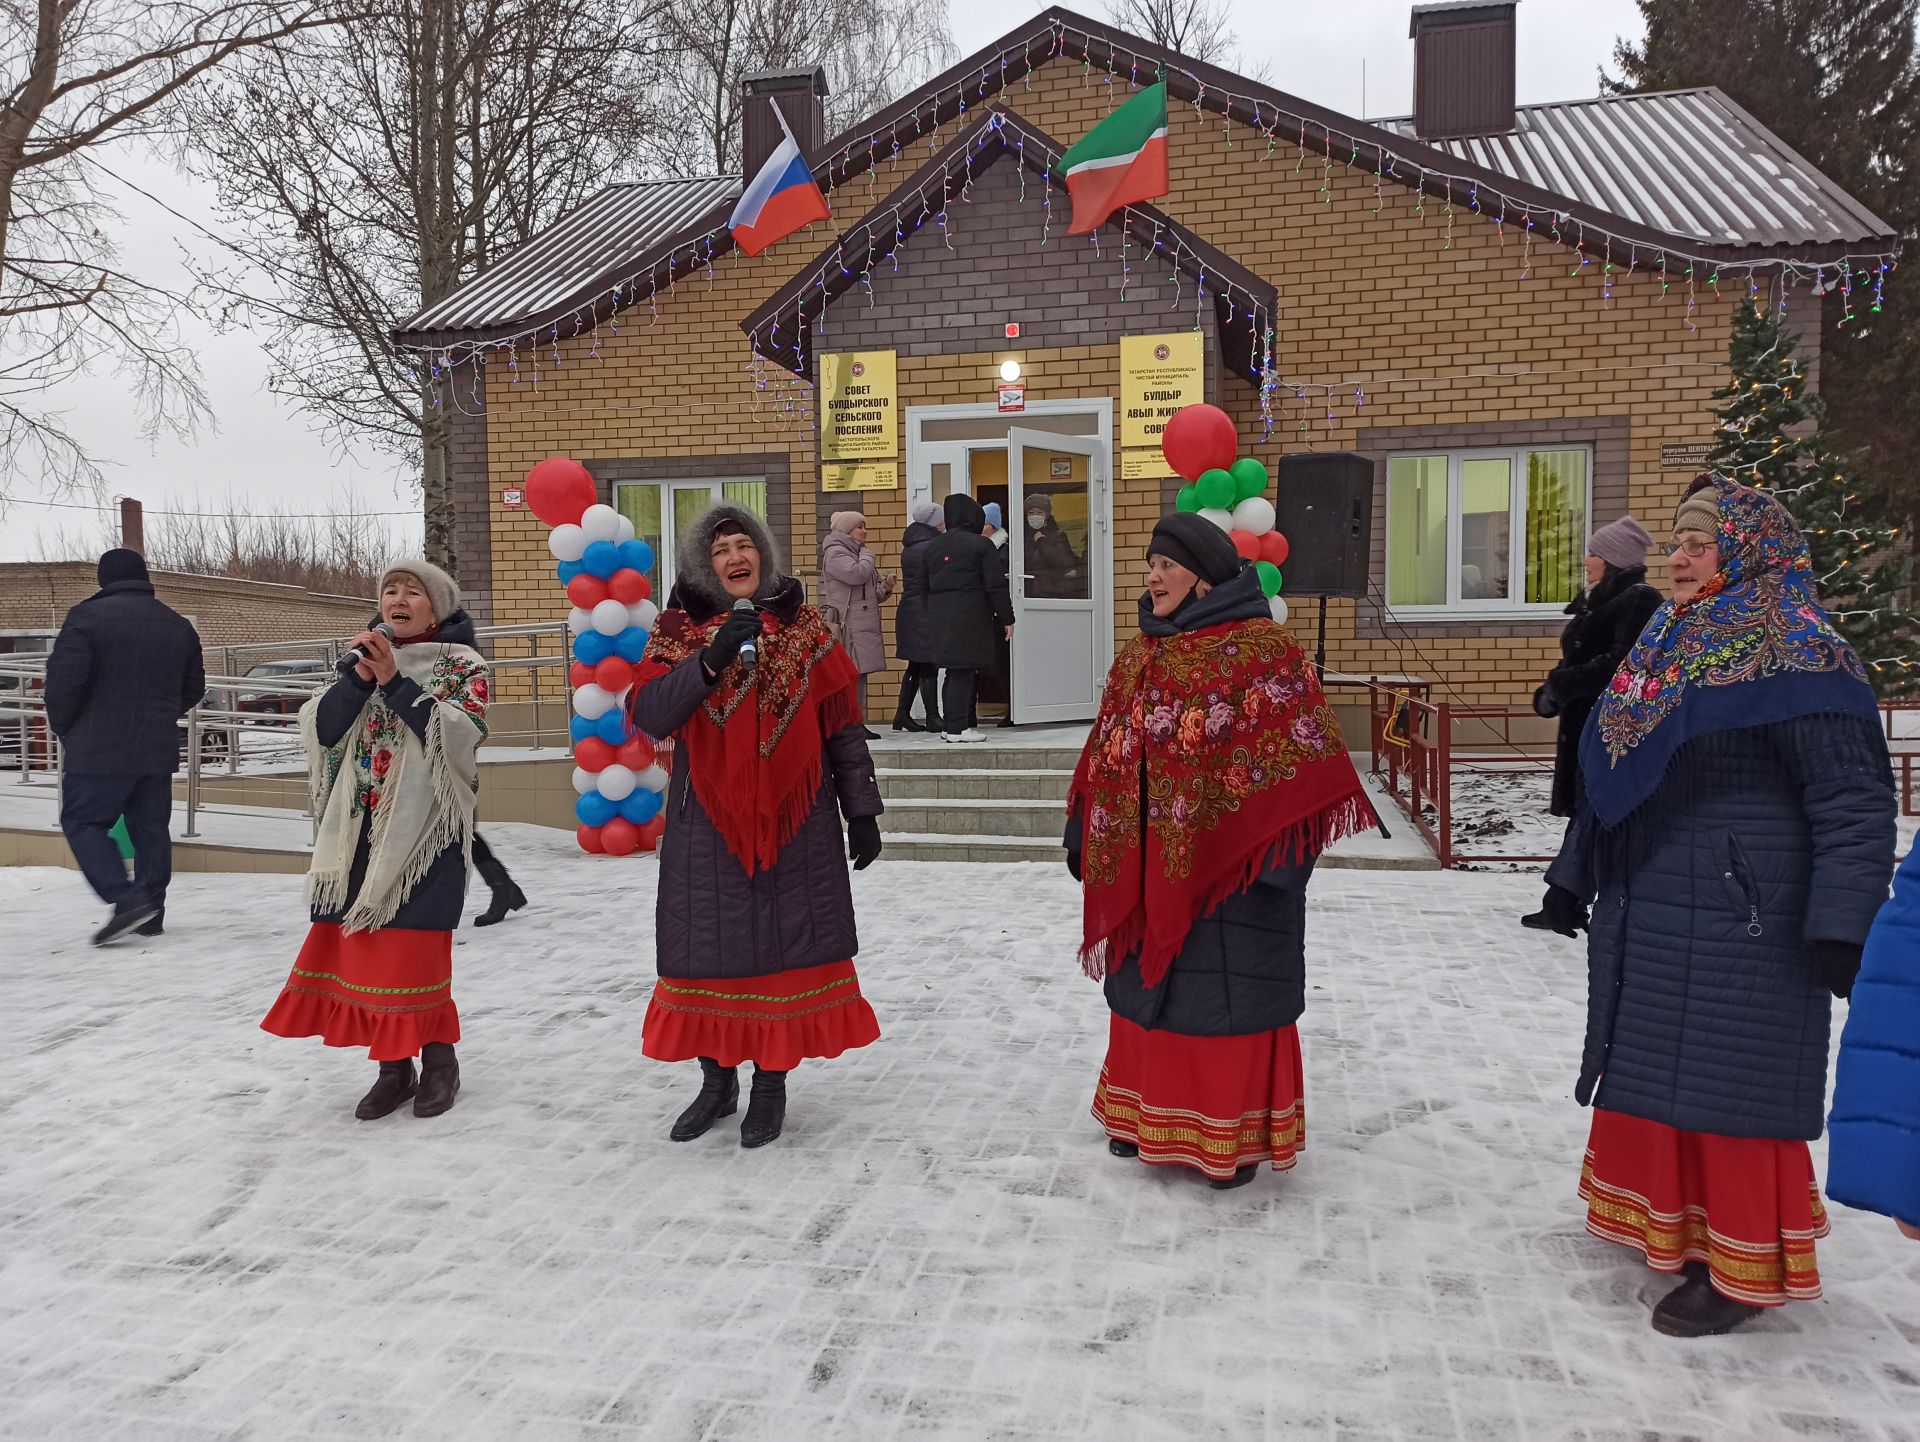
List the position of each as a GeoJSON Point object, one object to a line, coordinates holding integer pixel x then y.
{"type": "Point", "coordinates": [1515, 316]}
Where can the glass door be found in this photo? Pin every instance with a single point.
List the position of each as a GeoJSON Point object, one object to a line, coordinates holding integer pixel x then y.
{"type": "Point", "coordinates": [660, 510]}
{"type": "Point", "coordinates": [1058, 564]}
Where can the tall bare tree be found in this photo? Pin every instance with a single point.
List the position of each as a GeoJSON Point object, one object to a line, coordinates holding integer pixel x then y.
{"type": "Point", "coordinates": [368, 172]}
{"type": "Point", "coordinates": [83, 77]}
{"type": "Point", "coordinates": [1197, 28]}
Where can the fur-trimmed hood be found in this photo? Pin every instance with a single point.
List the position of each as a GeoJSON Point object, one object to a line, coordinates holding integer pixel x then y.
{"type": "Point", "coordinates": [694, 557]}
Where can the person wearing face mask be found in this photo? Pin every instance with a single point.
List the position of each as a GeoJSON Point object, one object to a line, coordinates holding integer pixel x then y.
{"type": "Point", "coordinates": [754, 932]}
{"type": "Point", "coordinates": [393, 755]}
{"type": "Point", "coordinates": [1212, 781]}
{"type": "Point", "coordinates": [1735, 843]}
{"type": "Point", "coordinates": [1054, 569]}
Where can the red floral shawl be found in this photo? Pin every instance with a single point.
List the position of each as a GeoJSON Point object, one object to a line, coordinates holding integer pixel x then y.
{"type": "Point", "coordinates": [1223, 737]}
{"type": "Point", "coordinates": [756, 769]}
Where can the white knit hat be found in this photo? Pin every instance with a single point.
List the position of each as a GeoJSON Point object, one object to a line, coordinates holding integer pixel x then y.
{"type": "Point", "coordinates": [443, 593]}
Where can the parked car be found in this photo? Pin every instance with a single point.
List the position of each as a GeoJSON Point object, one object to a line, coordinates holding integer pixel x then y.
{"type": "Point", "coordinates": [283, 703]}
{"type": "Point", "coordinates": [215, 740]}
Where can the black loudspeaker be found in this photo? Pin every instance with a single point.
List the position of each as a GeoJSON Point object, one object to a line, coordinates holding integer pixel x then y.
{"type": "Point", "coordinates": [1324, 507]}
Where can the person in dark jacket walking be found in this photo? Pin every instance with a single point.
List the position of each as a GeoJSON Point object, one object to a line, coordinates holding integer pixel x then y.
{"type": "Point", "coordinates": [1212, 781]}
{"type": "Point", "coordinates": [124, 669]}
{"type": "Point", "coordinates": [393, 755]}
{"type": "Point", "coordinates": [963, 584]}
{"type": "Point", "coordinates": [1738, 834]}
{"type": "Point", "coordinates": [912, 629]}
{"type": "Point", "coordinates": [1054, 569]}
{"type": "Point", "coordinates": [754, 930]}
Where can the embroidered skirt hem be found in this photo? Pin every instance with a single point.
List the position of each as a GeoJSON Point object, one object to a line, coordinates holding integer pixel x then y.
{"type": "Point", "coordinates": [775, 1022]}
{"type": "Point", "coordinates": [390, 991]}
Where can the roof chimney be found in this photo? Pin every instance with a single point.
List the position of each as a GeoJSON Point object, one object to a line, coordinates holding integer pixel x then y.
{"type": "Point", "coordinates": [801, 95]}
{"type": "Point", "coordinates": [1462, 69]}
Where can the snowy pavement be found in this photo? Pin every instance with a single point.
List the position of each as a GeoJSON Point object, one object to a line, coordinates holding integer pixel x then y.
{"type": "Point", "coordinates": [198, 1241]}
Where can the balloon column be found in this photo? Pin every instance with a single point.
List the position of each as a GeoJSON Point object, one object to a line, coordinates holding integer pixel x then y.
{"type": "Point", "coordinates": [617, 774]}
{"type": "Point", "coordinates": [1199, 443]}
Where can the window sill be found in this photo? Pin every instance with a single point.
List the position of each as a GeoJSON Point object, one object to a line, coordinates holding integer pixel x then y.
{"type": "Point", "coordinates": [1552, 613]}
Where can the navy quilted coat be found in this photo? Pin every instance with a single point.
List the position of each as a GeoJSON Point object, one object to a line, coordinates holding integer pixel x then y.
{"type": "Point", "coordinates": [1704, 1011]}
{"type": "Point", "coordinates": [1874, 1157]}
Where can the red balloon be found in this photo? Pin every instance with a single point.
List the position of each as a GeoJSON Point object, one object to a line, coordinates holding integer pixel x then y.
{"type": "Point", "coordinates": [1274, 548]}
{"type": "Point", "coordinates": [559, 491]}
{"type": "Point", "coordinates": [629, 587]}
{"type": "Point", "coordinates": [651, 833]}
{"type": "Point", "coordinates": [1247, 544]}
{"type": "Point", "coordinates": [579, 674]}
{"type": "Point", "coordinates": [1198, 439]}
{"type": "Point", "coordinates": [586, 591]}
{"type": "Point", "coordinates": [589, 838]}
{"type": "Point", "coordinates": [613, 674]}
{"type": "Point", "coordinates": [592, 754]}
{"type": "Point", "coordinates": [620, 837]}
{"type": "Point", "coordinates": [635, 753]}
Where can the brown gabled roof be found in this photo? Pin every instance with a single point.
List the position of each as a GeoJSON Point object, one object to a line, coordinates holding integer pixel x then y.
{"type": "Point", "coordinates": [1707, 183]}
{"type": "Point", "coordinates": [780, 328]}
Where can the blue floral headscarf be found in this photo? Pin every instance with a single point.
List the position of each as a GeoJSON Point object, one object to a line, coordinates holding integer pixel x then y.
{"type": "Point", "coordinates": [1752, 648]}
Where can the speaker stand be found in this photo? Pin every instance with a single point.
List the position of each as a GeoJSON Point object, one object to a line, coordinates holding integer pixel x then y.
{"type": "Point", "coordinates": [1320, 670]}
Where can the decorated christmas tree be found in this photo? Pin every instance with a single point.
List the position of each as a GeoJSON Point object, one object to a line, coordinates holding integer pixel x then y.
{"type": "Point", "coordinates": [1769, 437]}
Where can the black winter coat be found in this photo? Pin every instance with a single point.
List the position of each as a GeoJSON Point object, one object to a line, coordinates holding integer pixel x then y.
{"type": "Point", "coordinates": [912, 629]}
{"type": "Point", "coordinates": [125, 668]}
{"type": "Point", "coordinates": [964, 586]}
{"type": "Point", "coordinates": [1054, 569]}
{"type": "Point", "coordinates": [1607, 620]}
{"type": "Point", "coordinates": [1704, 1009]}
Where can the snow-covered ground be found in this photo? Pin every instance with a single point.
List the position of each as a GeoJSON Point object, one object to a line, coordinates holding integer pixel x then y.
{"type": "Point", "coordinates": [198, 1241]}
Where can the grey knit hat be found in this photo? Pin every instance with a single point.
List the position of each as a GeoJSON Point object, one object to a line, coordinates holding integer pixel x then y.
{"type": "Point", "coordinates": [845, 521]}
{"type": "Point", "coordinates": [1622, 544]}
{"type": "Point", "coordinates": [1700, 511]}
{"type": "Point", "coordinates": [928, 513]}
{"type": "Point", "coordinates": [443, 593]}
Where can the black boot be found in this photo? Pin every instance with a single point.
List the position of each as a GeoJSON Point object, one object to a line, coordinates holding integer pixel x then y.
{"type": "Point", "coordinates": [1696, 1309]}
{"type": "Point", "coordinates": [156, 927]}
{"type": "Point", "coordinates": [127, 916]}
{"type": "Point", "coordinates": [506, 896]}
{"type": "Point", "coordinates": [1122, 1149]}
{"type": "Point", "coordinates": [766, 1108]}
{"type": "Point", "coordinates": [1238, 1179]}
{"type": "Point", "coordinates": [394, 1086]}
{"type": "Point", "coordinates": [439, 1079]}
{"type": "Point", "coordinates": [719, 1097]}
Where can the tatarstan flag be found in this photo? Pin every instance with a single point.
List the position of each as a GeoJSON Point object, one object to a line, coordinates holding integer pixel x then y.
{"type": "Point", "coordinates": [1120, 161]}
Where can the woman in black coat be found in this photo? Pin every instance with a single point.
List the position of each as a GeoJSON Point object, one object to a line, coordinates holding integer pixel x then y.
{"type": "Point", "coordinates": [963, 585]}
{"type": "Point", "coordinates": [1738, 834]}
{"type": "Point", "coordinates": [912, 629]}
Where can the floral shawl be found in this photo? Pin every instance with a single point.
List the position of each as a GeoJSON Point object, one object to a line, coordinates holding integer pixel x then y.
{"type": "Point", "coordinates": [1215, 756]}
{"type": "Point", "coordinates": [1752, 648]}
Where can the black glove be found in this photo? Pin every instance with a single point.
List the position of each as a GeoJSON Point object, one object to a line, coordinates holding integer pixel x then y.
{"type": "Point", "coordinates": [1543, 702]}
{"type": "Point", "coordinates": [1836, 963]}
{"type": "Point", "coordinates": [863, 842]}
{"type": "Point", "coordinates": [1561, 912]}
{"type": "Point", "coordinates": [1074, 864]}
{"type": "Point", "coordinates": [724, 649]}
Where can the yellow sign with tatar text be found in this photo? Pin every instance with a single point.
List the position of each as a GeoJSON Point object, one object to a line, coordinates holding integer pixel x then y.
{"type": "Point", "coordinates": [1158, 375]}
{"type": "Point", "coordinates": [859, 410]}
{"type": "Point", "coordinates": [860, 476]}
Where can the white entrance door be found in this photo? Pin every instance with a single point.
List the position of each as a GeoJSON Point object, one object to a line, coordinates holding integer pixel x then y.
{"type": "Point", "coordinates": [1059, 571]}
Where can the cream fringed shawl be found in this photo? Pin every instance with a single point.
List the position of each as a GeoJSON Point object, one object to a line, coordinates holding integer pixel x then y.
{"type": "Point", "coordinates": [426, 799]}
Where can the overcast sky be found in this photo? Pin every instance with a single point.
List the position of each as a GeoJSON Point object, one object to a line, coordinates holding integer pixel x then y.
{"type": "Point", "coordinates": [263, 453]}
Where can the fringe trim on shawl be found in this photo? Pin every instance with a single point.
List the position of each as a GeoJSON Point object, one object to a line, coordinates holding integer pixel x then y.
{"type": "Point", "coordinates": [326, 891]}
{"type": "Point", "coordinates": [453, 811]}
{"type": "Point", "coordinates": [1309, 836]}
{"type": "Point", "coordinates": [836, 713]}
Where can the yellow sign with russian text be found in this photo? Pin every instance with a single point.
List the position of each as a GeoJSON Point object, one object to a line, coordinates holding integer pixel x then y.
{"type": "Point", "coordinates": [859, 406]}
{"type": "Point", "coordinates": [1144, 465]}
{"type": "Point", "coordinates": [860, 476]}
{"type": "Point", "coordinates": [1158, 375]}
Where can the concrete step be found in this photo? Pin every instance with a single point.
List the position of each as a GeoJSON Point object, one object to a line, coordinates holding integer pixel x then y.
{"type": "Point", "coordinates": [912, 846]}
{"type": "Point", "coordinates": [956, 817]}
{"type": "Point", "coordinates": [923, 785]}
{"type": "Point", "coordinates": [985, 756]}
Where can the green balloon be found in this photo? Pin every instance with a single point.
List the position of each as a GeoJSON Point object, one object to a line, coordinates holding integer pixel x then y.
{"type": "Point", "coordinates": [1269, 578]}
{"type": "Point", "coordinates": [118, 835]}
{"type": "Point", "coordinates": [1249, 477]}
{"type": "Point", "coordinates": [1188, 499]}
{"type": "Point", "coordinates": [1216, 490]}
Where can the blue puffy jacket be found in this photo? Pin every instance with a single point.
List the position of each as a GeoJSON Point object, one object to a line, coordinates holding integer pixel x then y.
{"type": "Point", "coordinates": [1874, 1163]}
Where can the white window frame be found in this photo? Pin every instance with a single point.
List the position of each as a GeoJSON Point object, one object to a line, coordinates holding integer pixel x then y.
{"type": "Point", "coordinates": [1456, 607]}
{"type": "Point", "coordinates": [669, 537]}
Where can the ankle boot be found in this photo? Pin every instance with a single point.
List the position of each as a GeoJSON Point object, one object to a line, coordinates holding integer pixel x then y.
{"type": "Point", "coordinates": [1119, 1148]}
{"type": "Point", "coordinates": [394, 1086]}
{"type": "Point", "coordinates": [439, 1079]}
{"type": "Point", "coordinates": [719, 1097]}
{"type": "Point", "coordinates": [506, 896]}
{"type": "Point", "coordinates": [766, 1108]}
{"type": "Point", "coordinates": [1239, 1179]}
{"type": "Point", "coordinates": [1697, 1309]}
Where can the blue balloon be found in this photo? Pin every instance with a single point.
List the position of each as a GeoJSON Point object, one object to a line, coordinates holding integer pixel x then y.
{"type": "Point", "coordinates": [602, 559]}
{"type": "Point", "coordinates": [593, 809]}
{"type": "Point", "coordinates": [567, 570]}
{"type": "Point", "coordinates": [592, 647]}
{"type": "Point", "coordinates": [641, 806]}
{"type": "Point", "coordinates": [612, 728]}
{"type": "Point", "coordinates": [636, 555]}
{"type": "Point", "coordinates": [580, 728]}
{"type": "Point", "coordinates": [630, 644]}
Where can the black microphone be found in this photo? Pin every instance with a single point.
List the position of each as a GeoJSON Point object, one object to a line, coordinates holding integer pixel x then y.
{"type": "Point", "coordinates": [749, 652]}
{"type": "Point", "coordinates": [354, 657]}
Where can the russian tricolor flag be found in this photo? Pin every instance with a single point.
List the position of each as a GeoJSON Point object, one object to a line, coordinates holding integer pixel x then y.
{"type": "Point", "coordinates": [781, 199]}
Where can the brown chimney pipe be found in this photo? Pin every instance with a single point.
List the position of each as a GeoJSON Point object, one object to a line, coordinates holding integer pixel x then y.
{"type": "Point", "coordinates": [1463, 64]}
{"type": "Point", "coordinates": [802, 98]}
{"type": "Point", "coordinates": [133, 527]}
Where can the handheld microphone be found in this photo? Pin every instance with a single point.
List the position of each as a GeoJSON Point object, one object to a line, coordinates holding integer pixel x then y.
{"type": "Point", "coordinates": [749, 652]}
{"type": "Point", "coordinates": [354, 657]}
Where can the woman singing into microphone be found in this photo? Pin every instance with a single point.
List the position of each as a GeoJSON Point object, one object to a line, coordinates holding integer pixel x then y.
{"type": "Point", "coordinates": [753, 927]}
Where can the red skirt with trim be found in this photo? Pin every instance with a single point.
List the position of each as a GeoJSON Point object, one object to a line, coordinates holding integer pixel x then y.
{"type": "Point", "coordinates": [1749, 1207]}
{"type": "Point", "coordinates": [775, 1021]}
{"type": "Point", "coordinates": [1213, 1103]}
{"type": "Point", "coordinates": [390, 991]}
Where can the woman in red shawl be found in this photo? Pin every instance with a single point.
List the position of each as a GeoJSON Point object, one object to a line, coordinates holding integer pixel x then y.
{"type": "Point", "coordinates": [1212, 782]}
{"type": "Point", "coordinates": [753, 926]}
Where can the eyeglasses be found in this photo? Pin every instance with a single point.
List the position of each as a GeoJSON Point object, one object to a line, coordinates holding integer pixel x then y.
{"type": "Point", "coordinates": [1692, 548]}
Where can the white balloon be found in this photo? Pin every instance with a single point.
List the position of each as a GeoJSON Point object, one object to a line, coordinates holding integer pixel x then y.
{"type": "Point", "coordinates": [617, 782]}
{"type": "Point", "coordinates": [1279, 608]}
{"type": "Point", "coordinates": [579, 619]}
{"type": "Point", "coordinates": [601, 523]}
{"type": "Point", "coordinates": [627, 532]}
{"type": "Point", "coordinates": [584, 780]}
{"type": "Point", "coordinates": [643, 614]}
{"type": "Point", "coordinates": [1222, 519]}
{"type": "Point", "coordinates": [592, 701]}
{"type": "Point", "coordinates": [609, 618]}
{"type": "Point", "coordinates": [654, 778]}
{"type": "Point", "coordinates": [568, 543]}
{"type": "Point", "coordinates": [1254, 514]}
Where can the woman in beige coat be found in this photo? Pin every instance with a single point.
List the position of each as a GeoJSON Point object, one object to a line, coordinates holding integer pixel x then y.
{"type": "Point", "coordinates": [853, 586]}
